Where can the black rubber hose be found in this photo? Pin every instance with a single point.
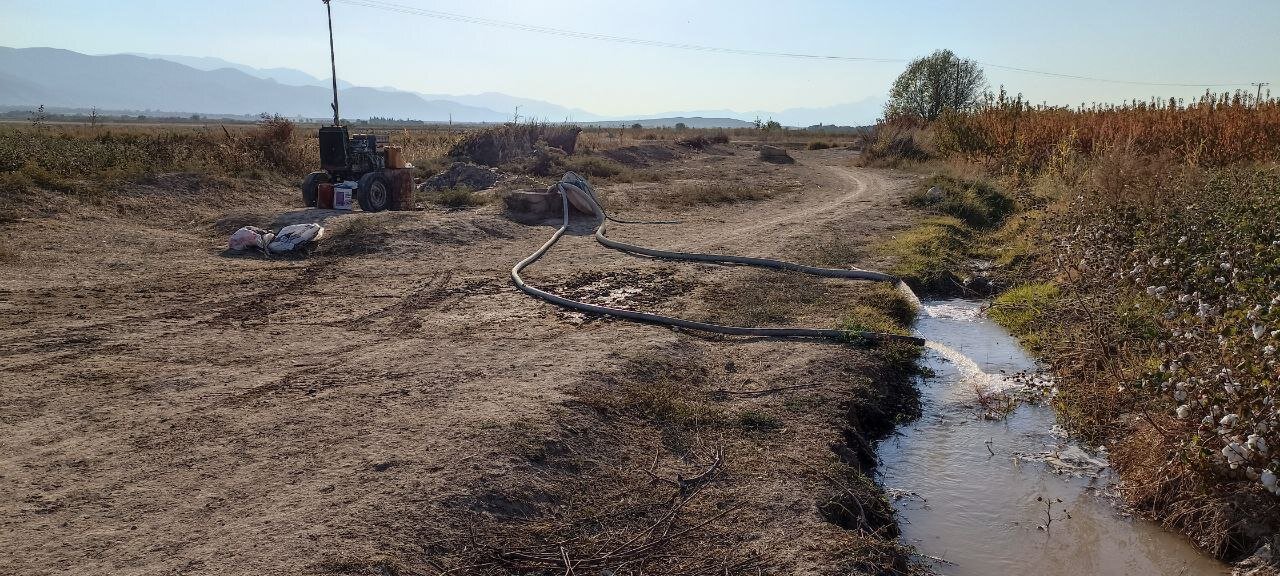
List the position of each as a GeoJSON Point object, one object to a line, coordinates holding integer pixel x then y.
{"type": "Point", "coordinates": [584, 187]}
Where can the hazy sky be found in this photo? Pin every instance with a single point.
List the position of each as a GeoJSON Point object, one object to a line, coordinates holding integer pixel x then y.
{"type": "Point", "coordinates": [1172, 41]}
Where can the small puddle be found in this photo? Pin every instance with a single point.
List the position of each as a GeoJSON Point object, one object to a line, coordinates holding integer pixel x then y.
{"type": "Point", "coordinates": [974, 513]}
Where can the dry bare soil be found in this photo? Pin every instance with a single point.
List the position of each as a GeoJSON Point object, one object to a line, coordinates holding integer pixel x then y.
{"type": "Point", "coordinates": [390, 404]}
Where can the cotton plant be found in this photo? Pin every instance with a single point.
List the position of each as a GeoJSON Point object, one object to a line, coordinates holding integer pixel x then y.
{"type": "Point", "coordinates": [1211, 272]}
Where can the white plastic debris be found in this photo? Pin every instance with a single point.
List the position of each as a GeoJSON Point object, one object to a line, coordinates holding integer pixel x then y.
{"type": "Point", "coordinates": [250, 237]}
{"type": "Point", "coordinates": [295, 236]}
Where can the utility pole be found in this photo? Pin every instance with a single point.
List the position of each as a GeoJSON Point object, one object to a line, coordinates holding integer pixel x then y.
{"type": "Point", "coordinates": [1258, 102]}
{"type": "Point", "coordinates": [333, 64]}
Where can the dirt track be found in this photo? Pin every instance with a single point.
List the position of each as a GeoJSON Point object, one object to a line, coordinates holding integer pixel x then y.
{"type": "Point", "coordinates": [169, 408]}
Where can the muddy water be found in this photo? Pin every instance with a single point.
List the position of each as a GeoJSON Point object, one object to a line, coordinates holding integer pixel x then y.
{"type": "Point", "coordinates": [978, 513]}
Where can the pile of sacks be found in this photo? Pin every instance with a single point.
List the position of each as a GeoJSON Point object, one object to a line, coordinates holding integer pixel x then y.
{"type": "Point", "coordinates": [289, 238]}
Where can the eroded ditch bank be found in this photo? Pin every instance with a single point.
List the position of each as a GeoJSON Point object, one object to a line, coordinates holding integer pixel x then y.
{"type": "Point", "coordinates": [1014, 494]}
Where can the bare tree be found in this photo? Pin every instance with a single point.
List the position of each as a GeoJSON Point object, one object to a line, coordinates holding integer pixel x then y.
{"type": "Point", "coordinates": [937, 82]}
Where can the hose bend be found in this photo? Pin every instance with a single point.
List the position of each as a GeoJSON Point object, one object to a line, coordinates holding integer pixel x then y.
{"type": "Point", "coordinates": [572, 183]}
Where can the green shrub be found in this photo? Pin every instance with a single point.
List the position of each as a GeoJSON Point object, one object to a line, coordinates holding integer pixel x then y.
{"type": "Point", "coordinates": [928, 256]}
{"type": "Point", "coordinates": [979, 203]}
{"type": "Point", "coordinates": [1023, 311]}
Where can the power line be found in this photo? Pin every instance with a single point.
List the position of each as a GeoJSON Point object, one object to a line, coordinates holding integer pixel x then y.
{"type": "Point", "coordinates": [593, 36]}
{"type": "Point", "coordinates": [453, 17]}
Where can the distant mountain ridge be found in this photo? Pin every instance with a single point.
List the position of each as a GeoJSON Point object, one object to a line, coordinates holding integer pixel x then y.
{"type": "Point", "coordinates": [183, 85]}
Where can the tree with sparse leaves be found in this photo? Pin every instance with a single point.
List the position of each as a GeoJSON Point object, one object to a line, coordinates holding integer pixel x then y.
{"type": "Point", "coordinates": [940, 81]}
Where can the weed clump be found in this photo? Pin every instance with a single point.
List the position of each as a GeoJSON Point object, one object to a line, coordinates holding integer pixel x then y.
{"type": "Point", "coordinates": [699, 141]}
{"type": "Point", "coordinates": [456, 197]}
{"type": "Point", "coordinates": [896, 142]}
{"type": "Point", "coordinates": [929, 255]}
{"type": "Point", "coordinates": [1025, 310]}
{"type": "Point", "coordinates": [512, 142]}
{"type": "Point", "coordinates": [979, 203]}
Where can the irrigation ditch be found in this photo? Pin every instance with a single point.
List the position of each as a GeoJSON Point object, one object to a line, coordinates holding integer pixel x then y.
{"type": "Point", "coordinates": [981, 478]}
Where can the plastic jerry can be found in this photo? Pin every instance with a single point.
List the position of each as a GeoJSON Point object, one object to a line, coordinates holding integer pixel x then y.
{"type": "Point", "coordinates": [324, 195]}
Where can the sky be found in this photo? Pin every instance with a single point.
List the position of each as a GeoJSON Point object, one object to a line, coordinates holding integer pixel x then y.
{"type": "Point", "coordinates": [1173, 41]}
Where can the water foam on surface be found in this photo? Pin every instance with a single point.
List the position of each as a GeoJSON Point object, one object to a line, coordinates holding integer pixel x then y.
{"type": "Point", "coordinates": [981, 489]}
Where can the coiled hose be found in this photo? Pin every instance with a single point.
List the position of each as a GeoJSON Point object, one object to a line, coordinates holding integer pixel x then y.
{"type": "Point", "coordinates": [584, 193]}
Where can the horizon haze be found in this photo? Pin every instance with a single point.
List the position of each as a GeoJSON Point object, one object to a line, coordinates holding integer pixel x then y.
{"type": "Point", "coordinates": [523, 51]}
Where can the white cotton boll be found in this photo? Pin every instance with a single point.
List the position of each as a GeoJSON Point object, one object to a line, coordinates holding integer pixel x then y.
{"type": "Point", "coordinates": [1257, 444]}
{"type": "Point", "coordinates": [1258, 331]}
{"type": "Point", "coordinates": [1234, 454]}
{"type": "Point", "coordinates": [1207, 421]}
{"type": "Point", "coordinates": [1184, 411]}
{"type": "Point", "coordinates": [1275, 333]}
{"type": "Point", "coordinates": [1269, 350]}
{"type": "Point", "coordinates": [1180, 395]}
{"type": "Point", "coordinates": [1229, 420]}
{"type": "Point", "coordinates": [1225, 266]}
{"type": "Point", "coordinates": [1268, 479]}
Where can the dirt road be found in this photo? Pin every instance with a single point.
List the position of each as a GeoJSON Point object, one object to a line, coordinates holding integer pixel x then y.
{"type": "Point", "coordinates": [169, 408]}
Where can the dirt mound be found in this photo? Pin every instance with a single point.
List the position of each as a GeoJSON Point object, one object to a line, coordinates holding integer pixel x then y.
{"type": "Point", "coordinates": [775, 155]}
{"type": "Point", "coordinates": [501, 144]}
{"type": "Point", "coordinates": [463, 174]}
{"type": "Point", "coordinates": [642, 156]}
{"type": "Point", "coordinates": [700, 141]}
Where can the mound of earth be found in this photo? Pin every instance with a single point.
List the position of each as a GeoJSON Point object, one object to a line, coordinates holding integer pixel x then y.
{"type": "Point", "coordinates": [642, 156]}
{"type": "Point", "coordinates": [501, 144]}
{"type": "Point", "coordinates": [472, 176]}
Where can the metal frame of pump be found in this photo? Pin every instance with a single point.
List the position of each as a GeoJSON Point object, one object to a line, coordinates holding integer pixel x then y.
{"type": "Point", "coordinates": [359, 158]}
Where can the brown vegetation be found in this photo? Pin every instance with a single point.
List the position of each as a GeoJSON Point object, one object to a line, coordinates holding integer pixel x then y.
{"type": "Point", "coordinates": [1146, 245]}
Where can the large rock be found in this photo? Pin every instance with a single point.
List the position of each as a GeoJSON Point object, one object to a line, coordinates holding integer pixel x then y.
{"type": "Point", "coordinates": [775, 154]}
{"type": "Point", "coordinates": [472, 176]}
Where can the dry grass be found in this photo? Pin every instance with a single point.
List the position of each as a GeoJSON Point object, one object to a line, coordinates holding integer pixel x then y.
{"type": "Point", "coordinates": [455, 198]}
{"type": "Point", "coordinates": [772, 298]}
{"type": "Point", "coordinates": [1012, 136]}
{"type": "Point", "coordinates": [712, 192]}
{"type": "Point", "coordinates": [8, 254]}
{"type": "Point", "coordinates": [657, 467]}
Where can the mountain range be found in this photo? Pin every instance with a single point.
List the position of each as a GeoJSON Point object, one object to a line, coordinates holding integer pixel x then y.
{"type": "Point", "coordinates": [175, 84]}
